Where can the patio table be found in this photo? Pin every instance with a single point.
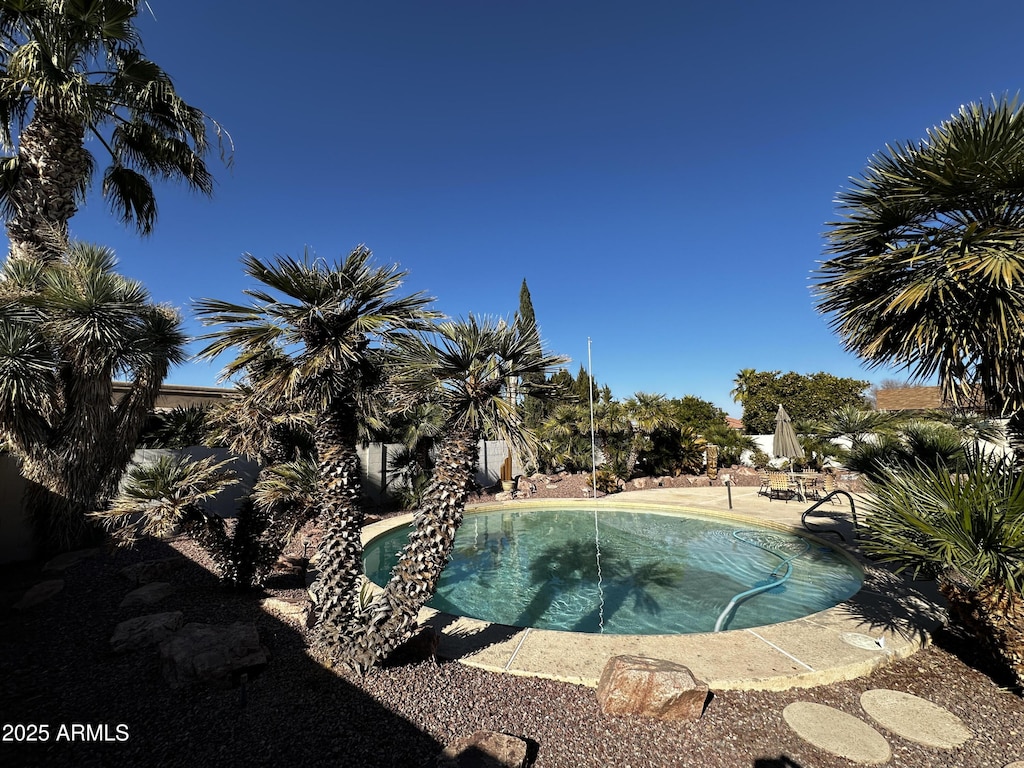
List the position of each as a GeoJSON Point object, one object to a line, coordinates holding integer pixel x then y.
{"type": "Point", "coordinates": [801, 481]}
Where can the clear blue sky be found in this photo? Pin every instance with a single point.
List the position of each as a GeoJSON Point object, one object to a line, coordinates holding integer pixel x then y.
{"type": "Point", "coordinates": [659, 172]}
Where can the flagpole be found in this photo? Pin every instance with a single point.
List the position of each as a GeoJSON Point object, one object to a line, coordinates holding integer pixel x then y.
{"type": "Point", "coordinates": [593, 441]}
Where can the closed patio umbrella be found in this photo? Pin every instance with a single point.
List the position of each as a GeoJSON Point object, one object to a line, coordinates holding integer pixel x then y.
{"type": "Point", "coordinates": [785, 443]}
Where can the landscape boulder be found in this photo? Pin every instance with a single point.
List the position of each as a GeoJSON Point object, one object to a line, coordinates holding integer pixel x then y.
{"type": "Point", "coordinates": [485, 749]}
{"type": "Point", "coordinates": [635, 685]}
{"type": "Point", "coordinates": [209, 653]}
{"type": "Point", "coordinates": [144, 631]}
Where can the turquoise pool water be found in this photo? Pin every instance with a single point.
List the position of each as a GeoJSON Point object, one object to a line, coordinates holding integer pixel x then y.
{"type": "Point", "coordinates": [638, 573]}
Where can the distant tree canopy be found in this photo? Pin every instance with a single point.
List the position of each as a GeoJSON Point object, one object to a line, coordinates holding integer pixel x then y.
{"type": "Point", "coordinates": [697, 414]}
{"type": "Point", "coordinates": [804, 397]}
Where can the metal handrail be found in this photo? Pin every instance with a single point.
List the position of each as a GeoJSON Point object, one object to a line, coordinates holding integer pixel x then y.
{"type": "Point", "coordinates": [829, 497]}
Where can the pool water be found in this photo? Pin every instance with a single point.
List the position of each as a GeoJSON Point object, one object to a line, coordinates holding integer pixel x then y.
{"type": "Point", "coordinates": [635, 572]}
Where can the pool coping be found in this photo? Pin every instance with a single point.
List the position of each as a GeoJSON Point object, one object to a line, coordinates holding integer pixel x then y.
{"type": "Point", "coordinates": [889, 618]}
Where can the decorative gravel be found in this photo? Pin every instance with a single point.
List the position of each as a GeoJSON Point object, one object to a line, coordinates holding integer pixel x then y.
{"type": "Point", "coordinates": [57, 670]}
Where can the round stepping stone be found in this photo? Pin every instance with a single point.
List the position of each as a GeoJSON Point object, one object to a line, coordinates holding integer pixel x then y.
{"type": "Point", "coordinates": [914, 718]}
{"type": "Point", "coordinates": [64, 561]}
{"type": "Point", "coordinates": [837, 732]}
{"type": "Point", "coordinates": [40, 593]}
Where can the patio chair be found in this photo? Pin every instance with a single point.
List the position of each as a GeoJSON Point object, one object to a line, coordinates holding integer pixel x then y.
{"type": "Point", "coordinates": [764, 488]}
{"type": "Point", "coordinates": [778, 486]}
{"type": "Point", "coordinates": [828, 484]}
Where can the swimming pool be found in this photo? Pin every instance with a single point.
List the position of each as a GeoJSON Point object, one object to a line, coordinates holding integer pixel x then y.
{"type": "Point", "coordinates": [627, 571]}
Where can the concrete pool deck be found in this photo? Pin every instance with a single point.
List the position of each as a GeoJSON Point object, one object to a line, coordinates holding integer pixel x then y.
{"type": "Point", "coordinates": [889, 618]}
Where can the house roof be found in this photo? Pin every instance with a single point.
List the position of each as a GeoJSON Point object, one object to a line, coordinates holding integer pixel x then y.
{"type": "Point", "coordinates": [174, 395]}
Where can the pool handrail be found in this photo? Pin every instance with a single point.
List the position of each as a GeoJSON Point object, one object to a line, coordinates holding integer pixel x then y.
{"type": "Point", "coordinates": [828, 497]}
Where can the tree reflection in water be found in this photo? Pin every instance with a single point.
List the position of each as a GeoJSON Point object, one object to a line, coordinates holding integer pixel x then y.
{"type": "Point", "coordinates": [573, 566]}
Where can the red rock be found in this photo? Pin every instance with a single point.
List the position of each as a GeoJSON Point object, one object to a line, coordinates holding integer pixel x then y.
{"type": "Point", "coordinates": [634, 685]}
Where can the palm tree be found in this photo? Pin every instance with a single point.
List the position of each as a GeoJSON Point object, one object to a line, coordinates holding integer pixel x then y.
{"type": "Point", "coordinates": [927, 264]}
{"type": "Point", "coordinates": [325, 327]}
{"type": "Point", "coordinates": [158, 497]}
{"type": "Point", "coordinates": [469, 364]}
{"type": "Point", "coordinates": [855, 424]}
{"type": "Point", "coordinates": [565, 438]}
{"type": "Point", "coordinates": [966, 530]}
{"type": "Point", "coordinates": [72, 72]}
{"type": "Point", "coordinates": [742, 385]}
{"type": "Point", "coordinates": [925, 443]}
{"type": "Point", "coordinates": [646, 414]}
{"type": "Point", "coordinates": [67, 328]}
{"type": "Point", "coordinates": [180, 427]}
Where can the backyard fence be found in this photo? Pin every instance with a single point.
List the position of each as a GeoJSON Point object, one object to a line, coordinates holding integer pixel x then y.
{"type": "Point", "coordinates": [379, 480]}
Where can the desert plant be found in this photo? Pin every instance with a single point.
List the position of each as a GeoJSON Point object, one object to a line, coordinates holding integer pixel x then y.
{"type": "Point", "coordinates": [326, 328]}
{"type": "Point", "coordinates": [759, 458]}
{"type": "Point", "coordinates": [67, 328]}
{"type": "Point", "coordinates": [606, 481]}
{"type": "Point", "coordinates": [157, 498]}
{"type": "Point", "coordinates": [72, 75]}
{"type": "Point", "coordinates": [181, 427]}
{"type": "Point", "coordinates": [469, 364]}
{"type": "Point", "coordinates": [925, 443]}
{"type": "Point", "coordinates": [925, 267]}
{"type": "Point", "coordinates": [966, 529]}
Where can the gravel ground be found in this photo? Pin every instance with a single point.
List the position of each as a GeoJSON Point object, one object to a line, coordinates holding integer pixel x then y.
{"type": "Point", "coordinates": [56, 669]}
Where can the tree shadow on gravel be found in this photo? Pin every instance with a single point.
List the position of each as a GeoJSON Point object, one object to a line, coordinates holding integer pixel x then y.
{"type": "Point", "coordinates": [956, 642]}
{"type": "Point", "coordinates": [915, 609]}
{"type": "Point", "coordinates": [57, 669]}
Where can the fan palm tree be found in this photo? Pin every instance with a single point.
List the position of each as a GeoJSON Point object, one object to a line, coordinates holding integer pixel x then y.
{"type": "Point", "coordinates": [158, 497]}
{"type": "Point", "coordinates": [565, 438]}
{"type": "Point", "coordinates": [70, 72]}
{"type": "Point", "coordinates": [67, 329]}
{"type": "Point", "coordinates": [325, 326]}
{"type": "Point", "coordinates": [926, 443]}
{"type": "Point", "coordinates": [966, 530]}
{"type": "Point", "coordinates": [469, 364]}
{"type": "Point", "coordinates": [855, 424]}
{"type": "Point", "coordinates": [742, 385]}
{"type": "Point", "coordinates": [646, 414]}
{"type": "Point", "coordinates": [927, 264]}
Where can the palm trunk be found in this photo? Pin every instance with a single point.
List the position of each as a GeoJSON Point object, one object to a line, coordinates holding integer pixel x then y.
{"type": "Point", "coordinates": [53, 170]}
{"type": "Point", "coordinates": [994, 615]}
{"type": "Point", "coordinates": [391, 618]}
{"type": "Point", "coordinates": [341, 549]}
{"type": "Point", "coordinates": [67, 470]}
{"type": "Point", "coordinates": [1015, 438]}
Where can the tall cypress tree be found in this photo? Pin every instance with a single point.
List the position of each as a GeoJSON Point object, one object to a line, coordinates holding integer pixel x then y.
{"type": "Point", "coordinates": [535, 410]}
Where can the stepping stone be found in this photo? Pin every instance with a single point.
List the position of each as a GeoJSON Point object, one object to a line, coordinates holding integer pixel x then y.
{"type": "Point", "coordinates": [40, 593]}
{"type": "Point", "coordinates": [485, 748]}
{"type": "Point", "coordinates": [294, 610]}
{"type": "Point", "coordinates": [143, 631]}
{"type": "Point", "coordinates": [149, 571]}
{"type": "Point", "coordinates": [915, 719]}
{"type": "Point", "coordinates": [65, 560]}
{"type": "Point", "coordinates": [150, 594]}
{"type": "Point", "coordinates": [837, 732]}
